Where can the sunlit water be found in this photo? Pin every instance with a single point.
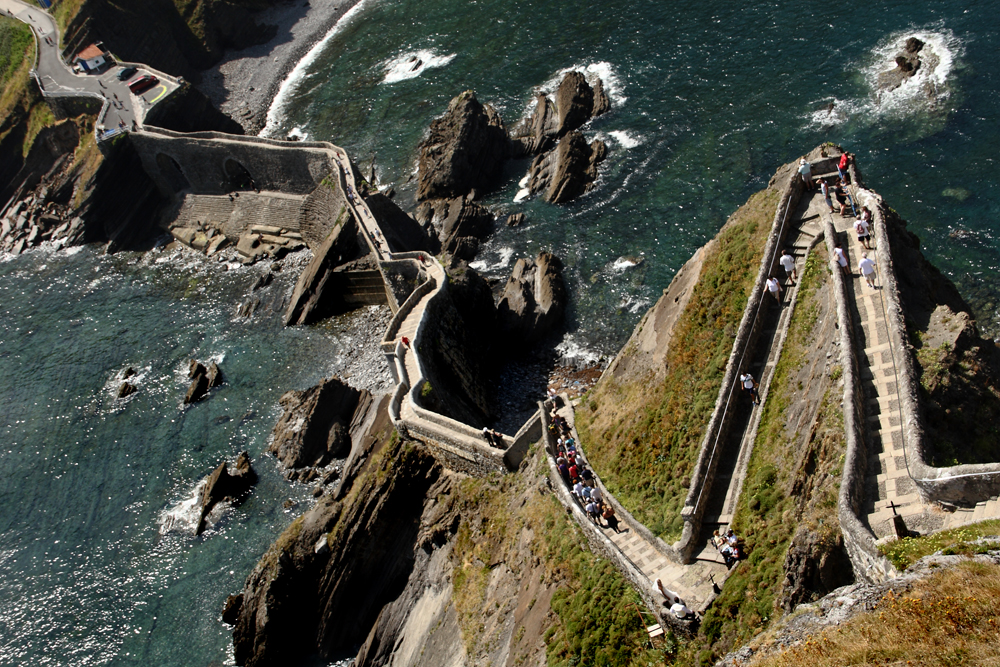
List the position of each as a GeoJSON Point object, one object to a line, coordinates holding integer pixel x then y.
{"type": "Point", "coordinates": [707, 101]}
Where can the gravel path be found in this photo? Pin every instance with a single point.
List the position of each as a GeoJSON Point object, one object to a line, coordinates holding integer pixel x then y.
{"type": "Point", "coordinates": [244, 83]}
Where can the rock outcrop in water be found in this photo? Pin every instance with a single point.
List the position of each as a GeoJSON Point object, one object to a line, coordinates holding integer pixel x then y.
{"type": "Point", "coordinates": [575, 103]}
{"type": "Point", "coordinates": [568, 171]}
{"type": "Point", "coordinates": [533, 301]}
{"type": "Point", "coordinates": [226, 486]}
{"type": "Point", "coordinates": [317, 424]}
{"type": "Point", "coordinates": [465, 149]}
{"type": "Point", "coordinates": [203, 378]}
{"type": "Point", "coordinates": [908, 62]}
{"type": "Point", "coordinates": [459, 223]}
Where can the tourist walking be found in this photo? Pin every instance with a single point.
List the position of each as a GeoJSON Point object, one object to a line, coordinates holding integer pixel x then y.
{"type": "Point", "coordinates": [805, 171]}
{"type": "Point", "coordinates": [861, 227]}
{"type": "Point", "coordinates": [750, 386]}
{"type": "Point", "coordinates": [774, 287]}
{"type": "Point", "coordinates": [610, 518]}
{"type": "Point", "coordinates": [787, 262]}
{"type": "Point", "coordinates": [867, 268]}
{"type": "Point", "coordinates": [838, 254]}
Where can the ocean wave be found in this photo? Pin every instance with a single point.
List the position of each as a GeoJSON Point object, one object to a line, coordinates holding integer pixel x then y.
{"type": "Point", "coordinates": [505, 254]}
{"type": "Point", "coordinates": [572, 352]}
{"type": "Point", "coordinates": [923, 92]}
{"type": "Point", "coordinates": [183, 517]}
{"type": "Point", "coordinates": [412, 64]}
{"type": "Point", "coordinates": [626, 139]}
{"type": "Point", "coordinates": [289, 87]}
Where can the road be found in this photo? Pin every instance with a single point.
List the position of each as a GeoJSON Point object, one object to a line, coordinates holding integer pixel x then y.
{"type": "Point", "coordinates": [58, 79]}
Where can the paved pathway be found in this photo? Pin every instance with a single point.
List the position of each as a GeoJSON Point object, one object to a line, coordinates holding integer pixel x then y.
{"type": "Point", "coordinates": [56, 78]}
{"type": "Point", "coordinates": [890, 489]}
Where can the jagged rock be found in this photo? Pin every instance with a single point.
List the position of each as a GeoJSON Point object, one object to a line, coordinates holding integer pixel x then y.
{"type": "Point", "coordinates": [309, 303]}
{"type": "Point", "coordinates": [202, 379]}
{"type": "Point", "coordinates": [302, 600]}
{"type": "Point", "coordinates": [908, 61]}
{"type": "Point", "coordinates": [225, 486]}
{"type": "Point", "coordinates": [533, 301]}
{"type": "Point", "coordinates": [126, 389]}
{"type": "Point", "coordinates": [128, 372]}
{"type": "Point", "coordinates": [465, 149]}
{"type": "Point", "coordinates": [576, 102]}
{"type": "Point", "coordinates": [454, 219]}
{"type": "Point", "coordinates": [814, 566]}
{"type": "Point", "coordinates": [515, 219]}
{"type": "Point", "coordinates": [317, 422]}
{"type": "Point", "coordinates": [569, 170]}
{"type": "Point", "coordinates": [231, 612]}
{"type": "Point", "coordinates": [263, 281]}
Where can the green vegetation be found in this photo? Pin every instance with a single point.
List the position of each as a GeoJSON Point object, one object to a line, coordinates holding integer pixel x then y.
{"type": "Point", "coordinates": [64, 11]}
{"type": "Point", "coordinates": [947, 619]}
{"type": "Point", "coordinates": [905, 552]}
{"type": "Point", "coordinates": [643, 437]}
{"type": "Point", "coordinates": [17, 53]}
{"type": "Point", "coordinates": [595, 620]}
{"type": "Point", "coordinates": [39, 118]}
{"type": "Point", "coordinates": [792, 481]}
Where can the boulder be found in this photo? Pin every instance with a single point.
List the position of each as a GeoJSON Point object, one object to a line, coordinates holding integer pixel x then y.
{"type": "Point", "coordinates": [126, 389]}
{"type": "Point", "coordinates": [533, 302]}
{"type": "Point", "coordinates": [576, 102]}
{"type": "Point", "coordinates": [515, 219]}
{"type": "Point", "coordinates": [226, 486]}
{"type": "Point", "coordinates": [464, 149]}
{"type": "Point", "coordinates": [316, 424]}
{"type": "Point", "coordinates": [569, 170]}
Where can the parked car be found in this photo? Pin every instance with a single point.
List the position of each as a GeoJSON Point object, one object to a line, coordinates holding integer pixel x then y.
{"type": "Point", "coordinates": [144, 82]}
{"type": "Point", "coordinates": [126, 73]}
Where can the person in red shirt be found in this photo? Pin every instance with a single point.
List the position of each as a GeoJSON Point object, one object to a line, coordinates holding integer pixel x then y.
{"type": "Point", "coordinates": [842, 165]}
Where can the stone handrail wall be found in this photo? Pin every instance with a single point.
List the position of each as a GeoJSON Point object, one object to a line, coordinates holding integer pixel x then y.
{"type": "Point", "coordinates": [708, 458]}
{"type": "Point", "coordinates": [869, 564]}
{"type": "Point", "coordinates": [422, 290]}
{"type": "Point", "coordinates": [529, 433]}
{"type": "Point", "coordinates": [962, 484]}
{"type": "Point", "coordinates": [599, 542]}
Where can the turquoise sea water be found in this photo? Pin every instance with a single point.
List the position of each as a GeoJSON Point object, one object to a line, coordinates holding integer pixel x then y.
{"type": "Point", "coordinates": [707, 101]}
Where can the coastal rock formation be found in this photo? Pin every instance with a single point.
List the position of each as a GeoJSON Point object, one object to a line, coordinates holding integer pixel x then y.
{"type": "Point", "coordinates": [323, 583]}
{"type": "Point", "coordinates": [575, 103]}
{"type": "Point", "coordinates": [465, 149]}
{"type": "Point", "coordinates": [568, 171]}
{"type": "Point", "coordinates": [202, 379]}
{"type": "Point", "coordinates": [317, 424]}
{"type": "Point", "coordinates": [533, 301]}
{"type": "Point", "coordinates": [226, 486]}
{"type": "Point", "coordinates": [815, 562]}
{"type": "Point", "coordinates": [310, 302]}
{"type": "Point", "coordinates": [908, 62]}
{"type": "Point", "coordinates": [460, 224]}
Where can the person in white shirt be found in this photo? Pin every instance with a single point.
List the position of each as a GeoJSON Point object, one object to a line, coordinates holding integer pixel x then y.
{"type": "Point", "coordinates": [750, 386]}
{"type": "Point", "coordinates": [788, 264]}
{"type": "Point", "coordinates": [867, 268]}
{"type": "Point", "coordinates": [774, 287]}
{"type": "Point", "coordinates": [864, 232]}
{"type": "Point", "coordinates": [838, 254]}
{"type": "Point", "coordinates": [681, 610]}
{"type": "Point", "coordinates": [805, 171]}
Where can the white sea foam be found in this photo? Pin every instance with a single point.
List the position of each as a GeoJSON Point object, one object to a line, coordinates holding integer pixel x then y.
{"type": "Point", "coordinates": [626, 139]}
{"type": "Point", "coordinates": [506, 252]}
{"type": "Point", "coordinates": [521, 195]}
{"type": "Point", "coordinates": [298, 134]}
{"type": "Point", "coordinates": [922, 92]}
{"type": "Point", "coordinates": [572, 352]}
{"type": "Point", "coordinates": [289, 87]}
{"type": "Point", "coordinates": [592, 71]}
{"type": "Point", "coordinates": [623, 263]}
{"type": "Point", "coordinates": [183, 517]}
{"type": "Point", "coordinates": [412, 64]}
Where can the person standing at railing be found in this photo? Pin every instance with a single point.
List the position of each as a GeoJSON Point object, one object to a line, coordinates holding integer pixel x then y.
{"type": "Point", "coordinates": [805, 171]}
{"type": "Point", "coordinates": [843, 165]}
{"type": "Point", "coordinates": [825, 190]}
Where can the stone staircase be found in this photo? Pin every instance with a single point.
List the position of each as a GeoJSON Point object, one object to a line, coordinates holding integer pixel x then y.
{"type": "Point", "coordinates": [235, 216]}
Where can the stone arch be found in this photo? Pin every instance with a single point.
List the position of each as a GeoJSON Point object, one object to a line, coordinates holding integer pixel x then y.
{"type": "Point", "coordinates": [172, 173]}
{"type": "Point", "coordinates": [238, 177]}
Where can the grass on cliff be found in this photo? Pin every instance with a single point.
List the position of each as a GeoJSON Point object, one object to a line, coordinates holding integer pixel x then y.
{"type": "Point", "coordinates": [17, 53]}
{"type": "Point", "coordinates": [593, 619]}
{"type": "Point", "coordinates": [907, 551]}
{"type": "Point", "coordinates": [948, 619]}
{"type": "Point", "coordinates": [643, 438]}
{"type": "Point", "coordinates": [786, 486]}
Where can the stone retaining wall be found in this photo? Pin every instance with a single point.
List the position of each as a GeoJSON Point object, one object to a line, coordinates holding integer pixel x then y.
{"type": "Point", "coordinates": [869, 564]}
{"type": "Point", "coordinates": [963, 484]}
{"type": "Point", "coordinates": [746, 337]}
